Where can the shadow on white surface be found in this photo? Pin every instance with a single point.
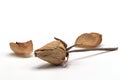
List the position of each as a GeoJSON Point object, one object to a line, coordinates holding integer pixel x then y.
{"type": "Point", "coordinates": [89, 56]}
{"type": "Point", "coordinates": [49, 66]}
{"type": "Point", "coordinates": [18, 56]}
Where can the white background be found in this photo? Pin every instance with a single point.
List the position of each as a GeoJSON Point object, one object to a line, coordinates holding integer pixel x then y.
{"type": "Point", "coordinates": [42, 20]}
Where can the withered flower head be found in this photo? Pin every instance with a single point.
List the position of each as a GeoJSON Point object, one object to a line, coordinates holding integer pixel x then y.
{"type": "Point", "coordinates": [22, 48]}
{"type": "Point", "coordinates": [57, 52]}
{"type": "Point", "coordinates": [53, 52]}
{"type": "Point", "coordinates": [88, 40]}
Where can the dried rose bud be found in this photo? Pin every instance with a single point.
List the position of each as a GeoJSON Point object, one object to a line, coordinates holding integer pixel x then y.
{"type": "Point", "coordinates": [88, 40]}
{"type": "Point", "coordinates": [53, 52]}
{"type": "Point", "coordinates": [22, 48]}
{"type": "Point", "coordinates": [56, 52]}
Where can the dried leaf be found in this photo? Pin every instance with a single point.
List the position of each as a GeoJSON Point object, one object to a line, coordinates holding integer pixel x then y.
{"type": "Point", "coordinates": [88, 40]}
{"type": "Point", "coordinates": [22, 48]}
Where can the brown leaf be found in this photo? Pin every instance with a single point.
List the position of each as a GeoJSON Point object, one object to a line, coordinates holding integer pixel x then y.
{"type": "Point", "coordinates": [22, 48]}
{"type": "Point", "coordinates": [88, 40]}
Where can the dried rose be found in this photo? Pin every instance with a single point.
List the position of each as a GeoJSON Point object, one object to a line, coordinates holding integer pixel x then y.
{"type": "Point", "coordinates": [56, 52]}
{"type": "Point", "coordinates": [53, 52]}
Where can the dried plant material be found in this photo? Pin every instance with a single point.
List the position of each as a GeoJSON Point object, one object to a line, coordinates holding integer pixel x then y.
{"type": "Point", "coordinates": [94, 49]}
{"type": "Point", "coordinates": [88, 40]}
{"type": "Point", "coordinates": [22, 48]}
{"type": "Point", "coordinates": [56, 52]}
{"type": "Point", "coordinates": [53, 52]}
{"type": "Point", "coordinates": [65, 45]}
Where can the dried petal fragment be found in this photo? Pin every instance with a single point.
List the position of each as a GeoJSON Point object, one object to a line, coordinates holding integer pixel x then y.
{"type": "Point", "coordinates": [22, 48]}
{"type": "Point", "coordinates": [53, 52]}
{"type": "Point", "coordinates": [88, 40]}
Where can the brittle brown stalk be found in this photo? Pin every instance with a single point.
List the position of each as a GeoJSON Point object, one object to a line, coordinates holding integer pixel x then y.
{"type": "Point", "coordinates": [93, 49]}
{"type": "Point", "coordinates": [70, 47]}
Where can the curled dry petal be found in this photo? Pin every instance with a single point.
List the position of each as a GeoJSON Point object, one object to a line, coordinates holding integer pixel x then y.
{"type": "Point", "coordinates": [22, 48]}
{"type": "Point", "coordinates": [88, 40]}
{"type": "Point", "coordinates": [53, 52]}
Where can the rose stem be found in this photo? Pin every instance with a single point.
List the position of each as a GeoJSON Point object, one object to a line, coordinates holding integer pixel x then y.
{"type": "Point", "coordinates": [70, 47]}
{"type": "Point", "coordinates": [93, 49]}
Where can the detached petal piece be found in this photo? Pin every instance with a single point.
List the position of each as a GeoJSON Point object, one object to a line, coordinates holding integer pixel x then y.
{"type": "Point", "coordinates": [22, 48]}
{"type": "Point", "coordinates": [53, 52]}
{"type": "Point", "coordinates": [88, 40]}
